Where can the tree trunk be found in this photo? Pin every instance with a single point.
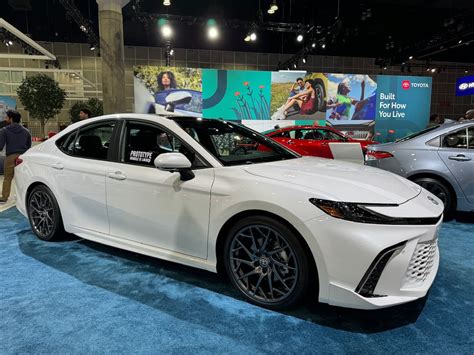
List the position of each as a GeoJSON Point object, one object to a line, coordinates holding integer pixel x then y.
{"type": "Point", "coordinates": [42, 126]}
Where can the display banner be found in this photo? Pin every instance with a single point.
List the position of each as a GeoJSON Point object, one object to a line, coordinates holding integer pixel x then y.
{"type": "Point", "coordinates": [168, 90]}
{"type": "Point", "coordinates": [465, 86]}
{"type": "Point", "coordinates": [6, 103]}
{"type": "Point", "coordinates": [236, 94]}
{"type": "Point", "coordinates": [403, 105]}
{"type": "Point", "coordinates": [381, 107]}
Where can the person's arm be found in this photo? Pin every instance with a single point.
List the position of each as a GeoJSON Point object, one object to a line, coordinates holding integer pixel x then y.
{"type": "Point", "coordinates": [303, 93]}
{"type": "Point", "coordinates": [2, 138]}
{"type": "Point", "coordinates": [362, 86]}
{"type": "Point", "coordinates": [28, 143]}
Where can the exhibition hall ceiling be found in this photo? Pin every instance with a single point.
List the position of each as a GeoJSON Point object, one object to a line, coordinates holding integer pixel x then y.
{"type": "Point", "coordinates": [430, 30]}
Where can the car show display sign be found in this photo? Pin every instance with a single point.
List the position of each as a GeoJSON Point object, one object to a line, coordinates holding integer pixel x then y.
{"type": "Point", "coordinates": [465, 86]}
{"type": "Point", "coordinates": [403, 105]}
{"type": "Point", "coordinates": [379, 107]}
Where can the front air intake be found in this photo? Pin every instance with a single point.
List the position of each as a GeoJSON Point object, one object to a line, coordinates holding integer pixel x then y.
{"type": "Point", "coordinates": [371, 277]}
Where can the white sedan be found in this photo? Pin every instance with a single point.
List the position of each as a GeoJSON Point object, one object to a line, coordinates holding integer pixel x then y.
{"type": "Point", "coordinates": [218, 196]}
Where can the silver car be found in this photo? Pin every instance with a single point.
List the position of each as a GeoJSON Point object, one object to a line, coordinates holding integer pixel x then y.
{"type": "Point", "coordinates": [440, 158]}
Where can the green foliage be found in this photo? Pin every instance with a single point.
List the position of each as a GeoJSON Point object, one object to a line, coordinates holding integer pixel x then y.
{"type": "Point", "coordinates": [94, 105]}
{"type": "Point", "coordinates": [42, 97]}
{"type": "Point", "coordinates": [186, 78]}
{"type": "Point", "coordinates": [280, 94]}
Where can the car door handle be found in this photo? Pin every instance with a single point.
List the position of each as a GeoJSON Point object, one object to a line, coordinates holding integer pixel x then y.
{"type": "Point", "coordinates": [117, 176]}
{"type": "Point", "coordinates": [460, 157]}
{"type": "Point", "coordinates": [58, 166]}
{"type": "Point", "coordinates": [290, 142]}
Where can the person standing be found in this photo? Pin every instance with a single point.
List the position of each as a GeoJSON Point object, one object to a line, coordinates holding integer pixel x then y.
{"type": "Point", "coordinates": [85, 113]}
{"type": "Point", "coordinates": [17, 140]}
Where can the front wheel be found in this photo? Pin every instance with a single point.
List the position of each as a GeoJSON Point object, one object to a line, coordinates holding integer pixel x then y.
{"type": "Point", "coordinates": [44, 214]}
{"type": "Point", "coordinates": [266, 262]}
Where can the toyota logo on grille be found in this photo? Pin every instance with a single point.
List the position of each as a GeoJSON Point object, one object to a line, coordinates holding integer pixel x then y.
{"type": "Point", "coordinates": [433, 200]}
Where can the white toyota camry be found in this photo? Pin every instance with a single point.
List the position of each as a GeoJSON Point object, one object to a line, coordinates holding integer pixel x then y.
{"type": "Point", "coordinates": [218, 196]}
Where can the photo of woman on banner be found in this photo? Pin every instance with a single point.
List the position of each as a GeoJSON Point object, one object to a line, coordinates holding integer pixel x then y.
{"type": "Point", "coordinates": [305, 99]}
{"type": "Point", "coordinates": [166, 80]}
{"type": "Point", "coordinates": [341, 106]}
{"type": "Point", "coordinates": [168, 91]}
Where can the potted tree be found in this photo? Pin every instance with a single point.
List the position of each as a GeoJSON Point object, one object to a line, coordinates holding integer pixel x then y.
{"type": "Point", "coordinates": [42, 97]}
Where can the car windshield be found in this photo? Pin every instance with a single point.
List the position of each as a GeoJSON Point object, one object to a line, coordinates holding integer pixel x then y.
{"type": "Point", "coordinates": [417, 134]}
{"type": "Point", "coordinates": [234, 144]}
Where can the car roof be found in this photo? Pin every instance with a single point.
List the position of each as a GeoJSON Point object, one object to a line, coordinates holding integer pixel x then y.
{"type": "Point", "coordinates": [289, 128]}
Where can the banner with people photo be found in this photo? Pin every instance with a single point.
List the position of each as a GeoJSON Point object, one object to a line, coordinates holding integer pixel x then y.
{"type": "Point", "coordinates": [168, 90]}
{"type": "Point", "coordinates": [298, 96]}
{"type": "Point", "coordinates": [380, 107]}
{"type": "Point", "coordinates": [6, 103]}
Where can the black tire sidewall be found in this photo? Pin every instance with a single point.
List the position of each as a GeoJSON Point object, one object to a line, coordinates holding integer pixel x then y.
{"type": "Point", "coordinates": [450, 207]}
{"type": "Point", "coordinates": [58, 228]}
{"type": "Point", "coordinates": [295, 244]}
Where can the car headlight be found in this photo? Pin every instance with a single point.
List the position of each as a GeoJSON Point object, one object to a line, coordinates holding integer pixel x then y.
{"type": "Point", "coordinates": [358, 212]}
{"type": "Point", "coordinates": [354, 212]}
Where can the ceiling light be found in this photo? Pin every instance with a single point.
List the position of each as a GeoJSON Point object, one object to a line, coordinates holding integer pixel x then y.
{"type": "Point", "coordinates": [253, 36]}
{"type": "Point", "coordinates": [299, 38]}
{"type": "Point", "coordinates": [304, 60]}
{"type": "Point", "coordinates": [212, 32]}
{"type": "Point", "coordinates": [270, 11]}
{"type": "Point", "coordinates": [313, 45]}
{"type": "Point", "coordinates": [171, 51]}
{"type": "Point", "coordinates": [295, 65]}
{"type": "Point", "coordinates": [10, 43]}
{"type": "Point", "coordinates": [167, 2]}
{"type": "Point", "coordinates": [433, 70]}
{"type": "Point", "coordinates": [247, 38]}
{"type": "Point", "coordinates": [274, 6]}
{"type": "Point", "coordinates": [323, 45]}
{"type": "Point", "coordinates": [385, 68]}
{"type": "Point", "coordinates": [410, 57]}
{"type": "Point", "coordinates": [460, 41]}
{"type": "Point", "coordinates": [466, 71]}
{"type": "Point", "coordinates": [83, 28]}
{"type": "Point", "coordinates": [166, 31]}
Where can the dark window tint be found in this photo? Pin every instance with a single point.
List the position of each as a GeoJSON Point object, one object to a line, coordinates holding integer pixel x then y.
{"type": "Point", "coordinates": [144, 142]}
{"type": "Point", "coordinates": [456, 139]}
{"type": "Point", "coordinates": [93, 141]}
{"type": "Point", "coordinates": [471, 137]}
{"type": "Point", "coordinates": [66, 143]}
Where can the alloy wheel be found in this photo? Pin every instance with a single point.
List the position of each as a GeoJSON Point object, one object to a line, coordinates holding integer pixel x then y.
{"type": "Point", "coordinates": [42, 213]}
{"type": "Point", "coordinates": [263, 264]}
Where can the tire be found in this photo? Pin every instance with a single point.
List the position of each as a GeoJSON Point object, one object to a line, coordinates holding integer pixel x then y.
{"type": "Point", "coordinates": [44, 214]}
{"type": "Point", "coordinates": [440, 190]}
{"type": "Point", "coordinates": [320, 95]}
{"type": "Point", "coordinates": [266, 262]}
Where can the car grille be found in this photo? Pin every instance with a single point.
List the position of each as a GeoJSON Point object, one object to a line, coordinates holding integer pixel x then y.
{"type": "Point", "coordinates": [421, 263]}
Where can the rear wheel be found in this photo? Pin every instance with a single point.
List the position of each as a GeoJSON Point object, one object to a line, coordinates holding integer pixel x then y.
{"type": "Point", "coordinates": [44, 214]}
{"type": "Point", "coordinates": [266, 262]}
{"type": "Point", "coordinates": [440, 190]}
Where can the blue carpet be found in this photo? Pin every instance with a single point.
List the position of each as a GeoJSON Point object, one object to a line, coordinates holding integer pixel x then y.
{"type": "Point", "coordinates": [77, 296]}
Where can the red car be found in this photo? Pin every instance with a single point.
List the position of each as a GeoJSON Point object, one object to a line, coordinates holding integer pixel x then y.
{"type": "Point", "coordinates": [312, 140]}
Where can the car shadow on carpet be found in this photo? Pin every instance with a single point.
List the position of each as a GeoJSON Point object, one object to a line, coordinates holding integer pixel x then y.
{"type": "Point", "coordinates": [137, 276]}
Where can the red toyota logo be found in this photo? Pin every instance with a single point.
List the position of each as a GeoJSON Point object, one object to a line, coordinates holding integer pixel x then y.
{"type": "Point", "coordinates": [405, 84]}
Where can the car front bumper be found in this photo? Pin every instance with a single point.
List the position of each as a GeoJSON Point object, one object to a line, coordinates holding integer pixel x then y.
{"type": "Point", "coordinates": [397, 262]}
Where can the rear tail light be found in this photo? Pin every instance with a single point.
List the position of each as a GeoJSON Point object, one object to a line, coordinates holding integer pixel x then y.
{"type": "Point", "coordinates": [18, 161]}
{"type": "Point", "coordinates": [377, 155]}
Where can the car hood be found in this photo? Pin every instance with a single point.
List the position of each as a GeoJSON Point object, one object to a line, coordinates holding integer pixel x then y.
{"type": "Point", "coordinates": [339, 180]}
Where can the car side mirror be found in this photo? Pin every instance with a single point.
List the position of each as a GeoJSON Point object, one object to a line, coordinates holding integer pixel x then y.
{"type": "Point", "coordinates": [175, 162]}
{"type": "Point", "coordinates": [176, 98]}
